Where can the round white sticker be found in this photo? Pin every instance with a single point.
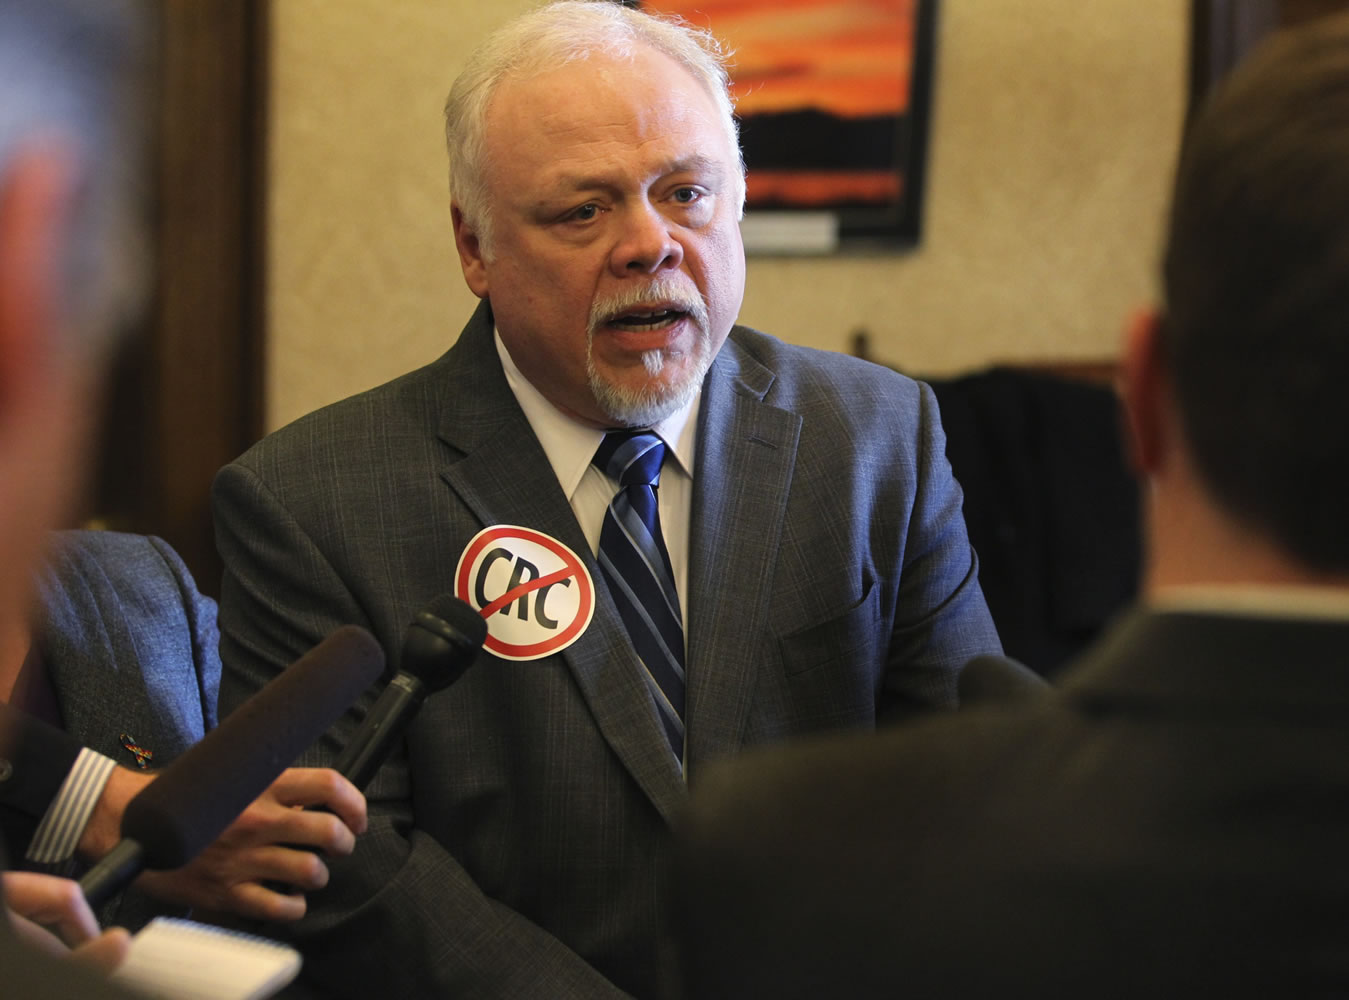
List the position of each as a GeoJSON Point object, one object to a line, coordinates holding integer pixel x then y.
{"type": "Point", "coordinates": [534, 592]}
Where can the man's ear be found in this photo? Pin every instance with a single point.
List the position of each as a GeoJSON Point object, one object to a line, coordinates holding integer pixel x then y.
{"type": "Point", "coordinates": [470, 253]}
{"type": "Point", "coordinates": [1144, 382]}
{"type": "Point", "coordinates": [37, 191]}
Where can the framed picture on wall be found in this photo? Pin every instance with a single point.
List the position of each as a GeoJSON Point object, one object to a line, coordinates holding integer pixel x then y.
{"type": "Point", "coordinates": [833, 98]}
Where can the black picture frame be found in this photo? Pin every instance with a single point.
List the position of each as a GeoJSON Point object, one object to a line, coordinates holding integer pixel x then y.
{"type": "Point", "coordinates": [815, 141]}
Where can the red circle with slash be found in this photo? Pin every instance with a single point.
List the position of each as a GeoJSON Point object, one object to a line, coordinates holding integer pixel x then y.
{"type": "Point", "coordinates": [534, 592]}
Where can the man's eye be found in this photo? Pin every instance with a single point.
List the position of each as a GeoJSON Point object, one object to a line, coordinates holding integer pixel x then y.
{"type": "Point", "coordinates": [585, 213]}
{"type": "Point", "coordinates": [687, 195]}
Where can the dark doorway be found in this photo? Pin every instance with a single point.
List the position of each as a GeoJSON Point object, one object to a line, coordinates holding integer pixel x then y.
{"type": "Point", "coordinates": [186, 394]}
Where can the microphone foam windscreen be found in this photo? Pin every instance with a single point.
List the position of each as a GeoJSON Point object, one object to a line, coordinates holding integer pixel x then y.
{"type": "Point", "coordinates": [460, 615]}
{"type": "Point", "coordinates": [442, 641]}
{"type": "Point", "coordinates": [205, 789]}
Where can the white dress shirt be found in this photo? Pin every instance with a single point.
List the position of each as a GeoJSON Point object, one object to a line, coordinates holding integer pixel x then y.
{"type": "Point", "coordinates": [570, 445]}
{"type": "Point", "coordinates": [63, 823]}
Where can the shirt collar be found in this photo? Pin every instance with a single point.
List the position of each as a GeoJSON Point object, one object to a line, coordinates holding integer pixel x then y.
{"type": "Point", "coordinates": [570, 444]}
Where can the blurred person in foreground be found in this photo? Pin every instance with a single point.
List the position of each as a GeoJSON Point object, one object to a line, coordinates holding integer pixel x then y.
{"type": "Point", "coordinates": [1171, 822]}
{"type": "Point", "coordinates": [72, 275]}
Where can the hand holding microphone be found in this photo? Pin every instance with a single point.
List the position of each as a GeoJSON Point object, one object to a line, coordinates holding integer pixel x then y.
{"type": "Point", "coordinates": [277, 850]}
{"type": "Point", "coordinates": [440, 643]}
{"type": "Point", "coordinates": [202, 792]}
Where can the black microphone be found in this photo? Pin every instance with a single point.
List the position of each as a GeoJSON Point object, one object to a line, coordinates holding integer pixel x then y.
{"type": "Point", "coordinates": [179, 813]}
{"type": "Point", "coordinates": [441, 642]}
{"type": "Point", "coordinates": [992, 679]}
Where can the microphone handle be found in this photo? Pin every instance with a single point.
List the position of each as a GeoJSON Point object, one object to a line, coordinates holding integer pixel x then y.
{"type": "Point", "coordinates": [111, 872]}
{"type": "Point", "coordinates": [187, 806]}
{"type": "Point", "coordinates": [374, 740]}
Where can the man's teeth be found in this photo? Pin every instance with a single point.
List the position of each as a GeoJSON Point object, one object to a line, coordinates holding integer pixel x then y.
{"type": "Point", "coordinates": [647, 320]}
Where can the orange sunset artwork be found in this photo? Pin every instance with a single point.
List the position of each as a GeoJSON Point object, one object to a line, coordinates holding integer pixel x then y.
{"type": "Point", "coordinates": [822, 90]}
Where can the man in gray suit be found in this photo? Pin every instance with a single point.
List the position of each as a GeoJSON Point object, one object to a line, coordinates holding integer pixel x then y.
{"type": "Point", "coordinates": [1173, 821]}
{"type": "Point", "coordinates": [809, 532]}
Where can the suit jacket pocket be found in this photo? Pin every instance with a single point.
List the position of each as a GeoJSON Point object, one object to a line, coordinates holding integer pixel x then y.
{"type": "Point", "coordinates": [846, 637]}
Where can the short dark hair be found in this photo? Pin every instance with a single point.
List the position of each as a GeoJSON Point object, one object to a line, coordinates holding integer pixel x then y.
{"type": "Point", "coordinates": [1257, 292]}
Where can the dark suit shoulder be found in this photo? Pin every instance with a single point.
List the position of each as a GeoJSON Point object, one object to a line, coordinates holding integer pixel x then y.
{"type": "Point", "coordinates": [390, 427]}
{"type": "Point", "coordinates": [931, 752]}
{"type": "Point", "coordinates": [87, 573]}
{"type": "Point", "coordinates": [811, 366]}
{"type": "Point", "coordinates": [406, 402]}
{"type": "Point", "coordinates": [848, 406]}
{"type": "Point", "coordinates": [117, 551]}
{"type": "Point", "coordinates": [807, 379]}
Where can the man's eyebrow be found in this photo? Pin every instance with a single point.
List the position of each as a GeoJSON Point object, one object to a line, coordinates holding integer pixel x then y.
{"type": "Point", "coordinates": [566, 184]}
{"type": "Point", "coordinates": [697, 163]}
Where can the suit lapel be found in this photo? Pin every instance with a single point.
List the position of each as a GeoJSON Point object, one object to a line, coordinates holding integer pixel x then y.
{"type": "Point", "coordinates": [745, 460]}
{"type": "Point", "coordinates": [503, 476]}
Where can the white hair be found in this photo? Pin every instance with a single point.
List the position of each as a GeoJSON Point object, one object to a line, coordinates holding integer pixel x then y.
{"type": "Point", "coordinates": [548, 37]}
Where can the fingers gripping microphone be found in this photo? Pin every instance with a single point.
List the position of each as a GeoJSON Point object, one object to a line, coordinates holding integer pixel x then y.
{"type": "Point", "coordinates": [441, 643]}
{"type": "Point", "coordinates": [204, 790]}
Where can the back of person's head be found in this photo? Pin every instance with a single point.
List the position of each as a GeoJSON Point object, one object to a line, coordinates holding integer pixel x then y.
{"type": "Point", "coordinates": [551, 36]}
{"type": "Point", "coordinates": [1257, 293]}
{"type": "Point", "coordinates": [72, 80]}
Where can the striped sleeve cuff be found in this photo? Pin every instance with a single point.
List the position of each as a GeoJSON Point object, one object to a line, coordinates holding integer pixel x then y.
{"type": "Point", "coordinates": [62, 825]}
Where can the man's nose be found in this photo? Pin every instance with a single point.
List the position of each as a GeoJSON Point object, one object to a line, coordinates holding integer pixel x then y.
{"type": "Point", "coordinates": [646, 245]}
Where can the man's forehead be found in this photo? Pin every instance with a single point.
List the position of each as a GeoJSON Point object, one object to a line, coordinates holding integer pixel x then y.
{"type": "Point", "coordinates": [564, 92]}
{"type": "Point", "coordinates": [580, 121]}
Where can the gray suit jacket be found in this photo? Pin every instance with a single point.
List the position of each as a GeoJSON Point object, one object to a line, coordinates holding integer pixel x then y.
{"type": "Point", "coordinates": [130, 645]}
{"type": "Point", "coordinates": [518, 846]}
{"type": "Point", "coordinates": [131, 650]}
{"type": "Point", "coordinates": [1171, 824]}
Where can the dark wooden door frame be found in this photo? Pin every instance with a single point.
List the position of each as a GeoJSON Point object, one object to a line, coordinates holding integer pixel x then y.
{"type": "Point", "coordinates": [186, 397]}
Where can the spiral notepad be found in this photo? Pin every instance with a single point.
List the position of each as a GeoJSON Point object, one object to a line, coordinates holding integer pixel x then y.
{"type": "Point", "coordinates": [186, 960]}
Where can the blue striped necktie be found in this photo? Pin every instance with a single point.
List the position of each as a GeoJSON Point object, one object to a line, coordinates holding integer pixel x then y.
{"type": "Point", "coordinates": [636, 566]}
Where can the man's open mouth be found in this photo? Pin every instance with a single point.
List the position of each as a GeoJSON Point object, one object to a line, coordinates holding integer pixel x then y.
{"type": "Point", "coordinates": [650, 319]}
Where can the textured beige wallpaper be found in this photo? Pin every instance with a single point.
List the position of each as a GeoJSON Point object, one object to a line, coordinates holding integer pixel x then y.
{"type": "Point", "coordinates": [1054, 132]}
